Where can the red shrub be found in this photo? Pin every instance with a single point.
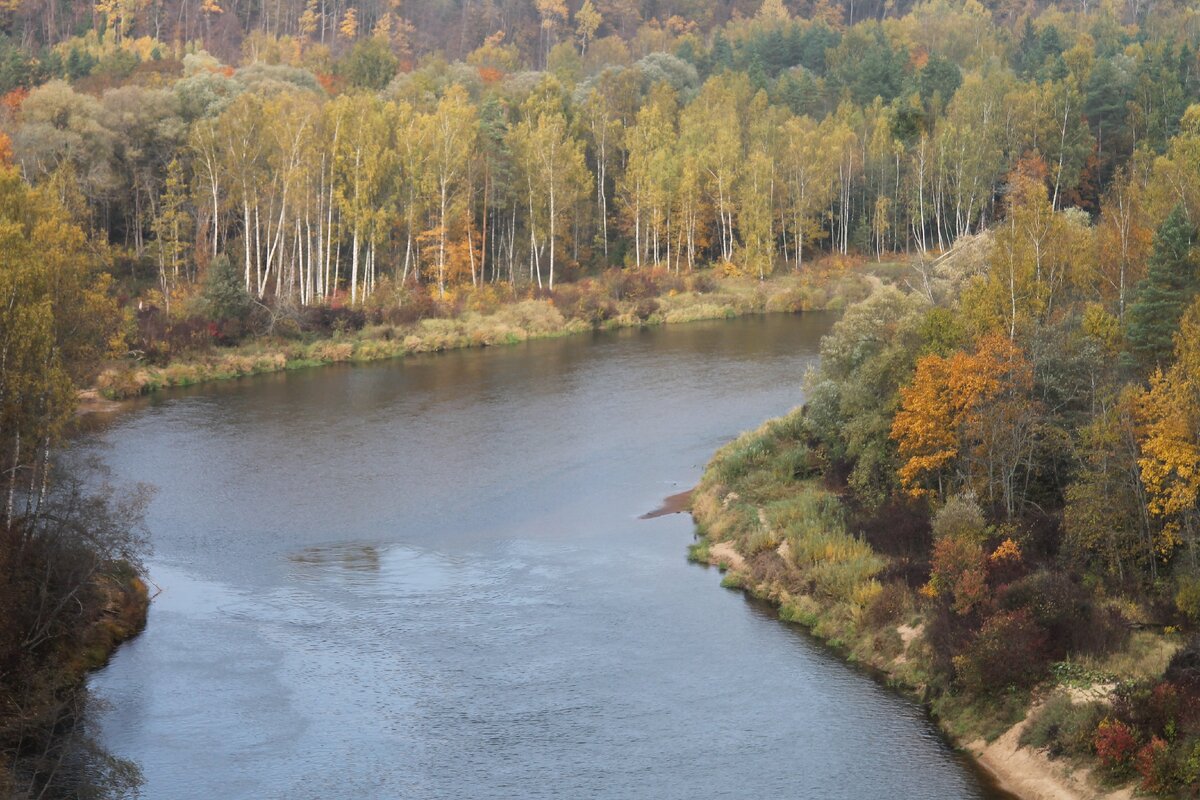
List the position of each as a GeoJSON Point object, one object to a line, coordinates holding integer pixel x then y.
{"type": "Point", "coordinates": [1164, 704]}
{"type": "Point", "coordinates": [1115, 744]}
{"type": "Point", "coordinates": [1153, 763]}
{"type": "Point", "coordinates": [645, 308]}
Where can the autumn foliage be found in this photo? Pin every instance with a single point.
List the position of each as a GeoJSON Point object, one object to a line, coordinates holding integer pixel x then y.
{"type": "Point", "coordinates": [1115, 744]}
{"type": "Point", "coordinates": [952, 415]}
{"type": "Point", "coordinates": [1009, 650]}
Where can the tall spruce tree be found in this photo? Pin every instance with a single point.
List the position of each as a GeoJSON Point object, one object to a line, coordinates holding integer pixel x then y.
{"type": "Point", "coordinates": [1165, 293]}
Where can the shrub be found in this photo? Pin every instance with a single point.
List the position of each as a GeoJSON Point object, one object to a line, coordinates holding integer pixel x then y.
{"type": "Point", "coordinates": [119, 383]}
{"type": "Point", "coordinates": [1159, 708]}
{"type": "Point", "coordinates": [1187, 599]}
{"type": "Point", "coordinates": [331, 352]}
{"type": "Point", "coordinates": [702, 283]}
{"type": "Point", "coordinates": [808, 515]}
{"type": "Point", "coordinates": [898, 527]}
{"type": "Point", "coordinates": [645, 308]}
{"type": "Point", "coordinates": [634, 284]}
{"type": "Point", "coordinates": [410, 308]}
{"type": "Point", "coordinates": [328, 320]}
{"type": "Point", "coordinates": [740, 457]}
{"type": "Point", "coordinates": [1068, 612]}
{"type": "Point", "coordinates": [1009, 650]}
{"type": "Point", "coordinates": [865, 595]}
{"type": "Point", "coordinates": [160, 337]}
{"type": "Point", "coordinates": [1115, 744]}
{"type": "Point", "coordinates": [769, 570]}
{"type": "Point", "coordinates": [835, 563]}
{"type": "Point", "coordinates": [534, 316]}
{"type": "Point", "coordinates": [800, 610]}
{"type": "Point", "coordinates": [961, 518]}
{"type": "Point", "coordinates": [1184, 667]}
{"type": "Point", "coordinates": [1189, 766]}
{"type": "Point", "coordinates": [586, 300]}
{"type": "Point", "coordinates": [761, 540]}
{"type": "Point", "coordinates": [1063, 728]}
{"type": "Point", "coordinates": [1153, 764]}
{"type": "Point", "coordinates": [887, 605]}
{"type": "Point", "coordinates": [959, 573]}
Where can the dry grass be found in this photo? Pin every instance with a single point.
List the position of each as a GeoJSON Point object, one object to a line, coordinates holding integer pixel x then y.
{"type": "Point", "coordinates": [1145, 656]}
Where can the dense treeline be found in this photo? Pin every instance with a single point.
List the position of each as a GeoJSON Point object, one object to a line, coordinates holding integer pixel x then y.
{"type": "Point", "coordinates": [332, 172]}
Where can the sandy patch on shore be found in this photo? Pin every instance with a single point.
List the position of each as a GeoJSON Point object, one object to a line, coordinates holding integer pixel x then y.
{"type": "Point", "coordinates": [1031, 775]}
{"type": "Point", "coordinates": [90, 401]}
{"type": "Point", "coordinates": [723, 553]}
{"type": "Point", "coordinates": [909, 634]}
{"type": "Point", "coordinates": [1102, 692]}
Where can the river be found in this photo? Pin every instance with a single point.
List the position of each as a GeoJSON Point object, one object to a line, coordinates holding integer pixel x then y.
{"type": "Point", "coordinates": [427, 578]}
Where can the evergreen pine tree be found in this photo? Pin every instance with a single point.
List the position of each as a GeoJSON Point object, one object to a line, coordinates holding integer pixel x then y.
{"type": "Point", "coordinates": [225, 292]}
{"type": "Point", "coordinates": [721, 57]}
{"type": "Point", "coordinates": [1029, 55]}
{"type": "Point", "coordinates": [1165, 293]}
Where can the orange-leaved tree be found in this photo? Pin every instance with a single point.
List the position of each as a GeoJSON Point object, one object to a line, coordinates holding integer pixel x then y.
{"type": "Point", "coordinates": [967, 421]}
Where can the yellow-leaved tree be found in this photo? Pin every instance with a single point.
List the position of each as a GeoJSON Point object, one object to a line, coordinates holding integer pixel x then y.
{"type": "Point", "coordinates": [1041, 255]}
{"type": "Point", "coordinates": [1168, 415]}
{"type": "Point", "coordinates": [56, 322]}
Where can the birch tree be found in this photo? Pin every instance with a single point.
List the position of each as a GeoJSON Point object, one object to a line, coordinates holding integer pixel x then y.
{"type": "Point", "coordinates": [555, 172]}
{"type": "Point", "coordinates": [450, 134]}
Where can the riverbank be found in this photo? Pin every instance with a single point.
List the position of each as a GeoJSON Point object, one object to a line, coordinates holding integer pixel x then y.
{"type": "Point", "coordinates": [766, 519]}
{"type": "Point", "coordinates": [126, 606]}
{"type": "Point", "coordinates": [42, 712]}
{"type": "Point", "coordinates": [511, 323]}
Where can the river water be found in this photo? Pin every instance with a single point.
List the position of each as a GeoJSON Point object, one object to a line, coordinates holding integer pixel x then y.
{"type": "Point", "coordinates": [427, 579]}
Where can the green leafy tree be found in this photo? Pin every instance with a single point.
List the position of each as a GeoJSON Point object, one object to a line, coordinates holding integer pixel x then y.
{"type": "Point", "coordinates": [1107, 532]}
{"type": "Point", "coordinates": [370, 64]}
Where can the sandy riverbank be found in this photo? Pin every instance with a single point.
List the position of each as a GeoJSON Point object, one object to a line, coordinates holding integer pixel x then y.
{"type": "Point", "coordinates": [1031, 775]}
{"type": "Point", "coordinates": [1020, 771]}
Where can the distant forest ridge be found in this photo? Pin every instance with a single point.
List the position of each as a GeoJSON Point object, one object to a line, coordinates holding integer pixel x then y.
{"type": "Point", "coordinates": [455, 28]}
{"type": "Point", "coordinates": [327, 148]}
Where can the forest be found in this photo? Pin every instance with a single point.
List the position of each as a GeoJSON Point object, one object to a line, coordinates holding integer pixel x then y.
{"type": "Point", "coordinates": [1002, 442]}
{"type": "Point", "coordinates": [333, 161]}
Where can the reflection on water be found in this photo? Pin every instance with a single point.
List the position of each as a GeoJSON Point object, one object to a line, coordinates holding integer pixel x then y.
{"type": "Point", "coordinates": [427, 579]}
{"type": "Point", "coordinates": [73, 763]}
